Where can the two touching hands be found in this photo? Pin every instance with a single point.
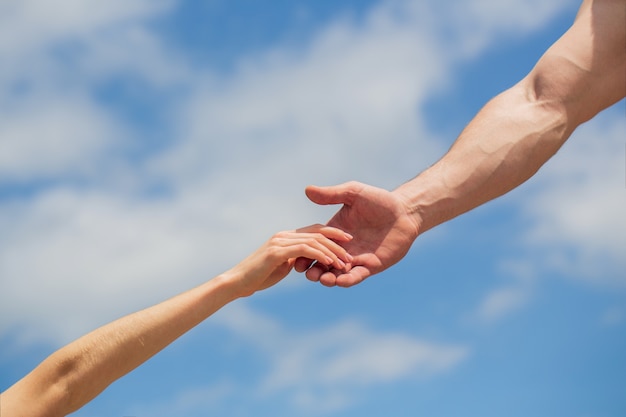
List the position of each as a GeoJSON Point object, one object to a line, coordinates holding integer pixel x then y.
{"type": "Point", "coordinates": [276, 258]}
{"type": "Point", "coordinates": [372, 231]}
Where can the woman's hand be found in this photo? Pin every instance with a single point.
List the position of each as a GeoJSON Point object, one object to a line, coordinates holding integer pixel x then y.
{"type": "Point", "coordinates": [275, 259]}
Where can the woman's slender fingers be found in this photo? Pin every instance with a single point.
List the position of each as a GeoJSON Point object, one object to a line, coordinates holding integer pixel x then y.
{"type": "Point", "coordinates": [326, 251]}
{"type": "Point", "coordinates": [328, 231]}
{"type": "Point", "coordinates": [336, 235]}
{"type": "Point", "coordinates": [313, 246]}
{"type": "Point", "coordinates": [317, 244]}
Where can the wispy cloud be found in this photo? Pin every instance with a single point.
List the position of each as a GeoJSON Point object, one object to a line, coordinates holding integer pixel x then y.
{"type": "Point", "coordinates": [55, 56]}
{"type": "Point", "coordinates": [500, 302]}
{"type": "Point", "coordinates": [472, 26]}
{"type": "Point", "coordinates": [198, 400]}
{"type": "Point", "coordinates": [309, 371]}
{"type": "Point", "coordinates": [576, 205]}
{"type": "Point", "coordinates": [573, 213]}
{"type": "Point", "coordinates": [47, 138]}
{"type": "Point", "coordinates": [326, 369]}
{"type": "Point", "coordinates": [32, 25]}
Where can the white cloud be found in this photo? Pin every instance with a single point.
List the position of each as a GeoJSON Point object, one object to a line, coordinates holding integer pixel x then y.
{"type": "Point", "coordinates": [54, 54]}
{"type": "Point", "coordinates": [349, 353]}
{"type": "Point", "coordinates": [92, 257]}
{"type": "Point", "coordinates": [323, 369]}
{"type": "Point", "coordinates": [501, 302]}
{"type": "Point", "coordinates": [83, 253]}
{"type": "Point", "coordinates": [576, 204]}
{"type": "Point", "coordinates": [59, 46]}
{"type": "Point", "coordinates": [189, 401]}
{"type": "Point", "coordinates": [51, 138]}
{"type": "Point", "coordinates": [27, 25]}
{"type": "Point", "coordinates": [466, 29]}
{"type": "Point", "coordinates": [574, 213]}
{"type": "Point", "coordinates": [311, 371]}
{"type": "Point", "coordinates": [330, 101]}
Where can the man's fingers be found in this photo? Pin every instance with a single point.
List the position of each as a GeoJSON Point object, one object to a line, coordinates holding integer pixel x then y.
{"type": "Point", "coordinates": [336, 278]}
{"type": "Point", "coordinates": [355, 276]}
{"type": "Point", "coordinates": [328, 279]}
{"type": "Point", "coordinates": [316, 271]}
{"type": "Point", "coordinates": [302, 264]}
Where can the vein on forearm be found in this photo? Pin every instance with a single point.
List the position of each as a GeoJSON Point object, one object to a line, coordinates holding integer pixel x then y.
{"type": "Point", "coordinates": [506, 143]}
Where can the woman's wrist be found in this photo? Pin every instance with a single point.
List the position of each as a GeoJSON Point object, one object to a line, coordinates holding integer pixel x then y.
{"type": "Point", "coordinates": [229, 284]}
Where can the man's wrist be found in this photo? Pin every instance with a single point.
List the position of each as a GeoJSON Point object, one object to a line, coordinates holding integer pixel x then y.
{"type": "Point", "coordinates": [426, 200]}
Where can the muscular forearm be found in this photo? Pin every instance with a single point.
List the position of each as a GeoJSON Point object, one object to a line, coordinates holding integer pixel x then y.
{"type": "Point", "coordinates": [77, 373]}
{"type": "Point", "coordinates": [505, 144]}
{"type": "Point", "coordinates": [519, 130]}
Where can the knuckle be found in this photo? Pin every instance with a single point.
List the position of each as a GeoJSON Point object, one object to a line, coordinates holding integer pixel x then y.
{"type": "Point", "coordinates": [279, 235]}
{"type": "Point", "coordinates": [274, 252]}
{"type": "Point", "coordinates": [302, 247]}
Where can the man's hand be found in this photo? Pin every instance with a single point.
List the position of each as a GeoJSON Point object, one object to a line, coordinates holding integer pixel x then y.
{"type": "Point", "coordinates": [382, 228]}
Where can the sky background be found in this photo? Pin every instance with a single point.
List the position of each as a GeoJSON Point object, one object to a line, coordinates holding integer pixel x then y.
{"type": "Point", "coordinates": [148, 145]}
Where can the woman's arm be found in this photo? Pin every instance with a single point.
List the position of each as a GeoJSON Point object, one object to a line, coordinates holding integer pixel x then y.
{"type": "Point", "coordinates": [78, 372]}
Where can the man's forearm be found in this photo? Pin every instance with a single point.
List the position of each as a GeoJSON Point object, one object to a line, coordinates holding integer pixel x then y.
{"type": "Point", "coordinates": [517, 132]}
{"type": "Point", "coordinates": [505, 144]}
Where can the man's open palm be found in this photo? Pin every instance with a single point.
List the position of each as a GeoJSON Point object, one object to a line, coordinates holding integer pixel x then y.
{"type": "Point", "coordinates": [382, 228]}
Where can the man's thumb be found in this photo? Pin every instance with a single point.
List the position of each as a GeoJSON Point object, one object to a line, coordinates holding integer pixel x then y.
{"type": "Point", "coordinates": [336, 194]}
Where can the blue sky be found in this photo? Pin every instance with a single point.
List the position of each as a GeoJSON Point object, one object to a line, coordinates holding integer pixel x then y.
{"type": "Point", "coordinates": [146, 146]}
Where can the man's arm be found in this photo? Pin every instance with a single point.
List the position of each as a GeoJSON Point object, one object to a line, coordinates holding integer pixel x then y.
{"type": "Point", "coordinates": [78, 372]}
{"type": "Point", "coordinates": [506, 143]}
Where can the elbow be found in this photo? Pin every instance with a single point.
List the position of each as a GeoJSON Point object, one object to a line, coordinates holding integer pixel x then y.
{"type": "Point", "coordinates": [547, 110]}
{"type": "Point", "coordinates": [567, 91]}
{"type": "Point", "coordinates": [59, 399]}
{"type": "Point", "coordinates": [539, 93]}
{"type": "Point", "coordinates": [67, 391]}
{"type": "Point", "coordinates": [28, 398]}
{"type": "Point", "coordinates": [55, 388]}
{"type": "Point", "coordinates": [60, 391]}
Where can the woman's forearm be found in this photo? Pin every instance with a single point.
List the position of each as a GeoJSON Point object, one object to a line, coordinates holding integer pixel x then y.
{"type": "Point", "coordinates": [78, 372]}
